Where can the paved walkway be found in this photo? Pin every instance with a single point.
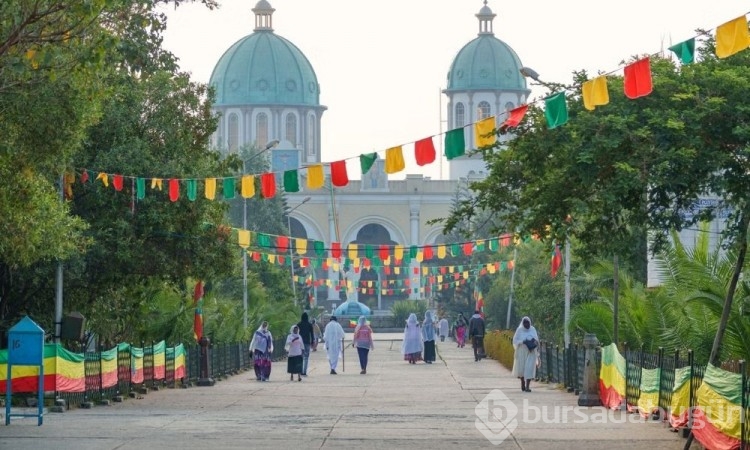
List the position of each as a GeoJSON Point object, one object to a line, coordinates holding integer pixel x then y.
{"type": "Point", "coordinates": [396, 405]}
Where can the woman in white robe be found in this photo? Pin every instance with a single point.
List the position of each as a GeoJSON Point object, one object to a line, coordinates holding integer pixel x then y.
{"type": "Point", "coordinates": [411, 347]}
{"type": "Point", "coordinates": [525, 360]}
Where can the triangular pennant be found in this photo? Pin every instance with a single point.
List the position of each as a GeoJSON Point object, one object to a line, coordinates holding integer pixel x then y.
{"type": "Point", "coordinates": [455, 145]}
{"type": "Point", "coordinates": [556, 110]}
{"type": "Point", "coordinates": [515, 116]}
{"type": "Point", "coordinates": [685, 50]}
{"type": "Point", "coordinates": [595, 93]}
{"type": "Point", "coordinates": [366, 160]}
{"type": "Point", "coordinates": [483, 132]}
{"type": "Point", "coordinates": [394, 160]}
{"type": "Point", "coordinates": [424, 151]}
{"type": "Point", "coordinates": [637, 80]}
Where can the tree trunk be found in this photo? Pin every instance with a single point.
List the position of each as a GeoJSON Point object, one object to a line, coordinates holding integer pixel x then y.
{"type": "Point", "coordinates": [742, 251]}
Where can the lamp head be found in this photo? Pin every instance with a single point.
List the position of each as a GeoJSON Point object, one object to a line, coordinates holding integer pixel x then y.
{"type": "Point", "coordinates": [528, 72]}
{"type": "Point", "coordinates": [271, 144]}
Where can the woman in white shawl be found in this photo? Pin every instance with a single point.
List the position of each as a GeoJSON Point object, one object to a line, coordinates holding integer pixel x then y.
{"type": "Point", "coordinates": [526, 344]}
{"type": "Point", "coordinates": [411, 347]}
{"type": "Point", "coordinates": [428, 335]}
{"type": "Point", "coordinates": [262, 348]}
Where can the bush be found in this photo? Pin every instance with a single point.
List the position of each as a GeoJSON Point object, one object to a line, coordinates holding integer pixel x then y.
{"type": "Point", "coordinates": [498, 344]}
{"type": "Point", "coordinates": [403, 308]}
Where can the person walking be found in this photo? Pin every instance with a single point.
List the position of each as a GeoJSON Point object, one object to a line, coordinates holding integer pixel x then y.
{"type": "Point", "coordinates": [411, 347]}
{"type": "Point", "coordinates": [333, 337]}
{"type": "Point", "coordinates": [428, 336]}
{"type": "Point", "coordinates": [460, 331]}
{"type": "Point", "coordinates": [526, 345]}
{"type": "Point", "coordinates": [316, 335]}
{"type": "Point", "coordinates": [295, 348]}
{"type": "Point", "coordinates": [443, 326]}
{"type": "Point", "coordinates": [262, 347]}
{"type": "Point", "coordinates": [476, 334]}
{"type": "Point", "coordinates": [306, 331]}
{"type": "Point", "coordinates": [362, 340]}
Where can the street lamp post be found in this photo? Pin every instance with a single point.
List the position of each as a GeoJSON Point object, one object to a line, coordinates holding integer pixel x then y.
{"type": "Point", "coordinates": [291, 250]}
{"type": "Point", "coordinates": [268, 146]}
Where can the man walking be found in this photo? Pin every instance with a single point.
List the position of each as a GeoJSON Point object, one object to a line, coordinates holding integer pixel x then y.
{"type": "Point", "coordinates": [476, 334]}
{"type": "Point", "coordinates": [333, 336]}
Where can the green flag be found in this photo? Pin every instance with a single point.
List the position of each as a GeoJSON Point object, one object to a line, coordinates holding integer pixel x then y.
{"type": "Point", "coordinates": [291, 181]}
{"type": "Point", "coordinates": [366, 160]}
{"type": "Point", "coordinates": [685, 50]}
{"type": "Point", "coordinates": [455, 145]}
{"type": "Point", "coordinates": [229, 188]}
{"type": "Point", "coordinates": [319, 247]}
{"type": "Point", "coordinates": [556, 110]}
{"type": "Point", "coordinates": [192, 189]}
{"type": "Point", "coordinates": [140, 187]}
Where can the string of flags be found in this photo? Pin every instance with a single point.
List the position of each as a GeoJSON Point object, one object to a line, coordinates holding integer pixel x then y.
{"type": "Point", "coordinates": [731, 37]}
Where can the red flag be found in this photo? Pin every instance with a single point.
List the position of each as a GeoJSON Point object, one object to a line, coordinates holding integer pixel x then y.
{"type": "Point", "coordinates": [638, 79]}
{"type": "Point", "coordinates": [198, 318]}
{"type": "Point", "coordinates": [174, 189]}
{"type": "Point", "coordinates": [424, 151]}
{"type": "Point", "coordinates": [383, 253]}
{"type": "Point", "coordinates": [556, 261]}
{"type": "Point", "coordinates": [336, 249]}
{"type": "Point", "coordinates": [117, 180]}
{"type": "Point", "coordinates": [339, 177]}
{"type": "Point", "coordinates": [515, 116]}
{"type": "Point", "coordinates": [268, 185]}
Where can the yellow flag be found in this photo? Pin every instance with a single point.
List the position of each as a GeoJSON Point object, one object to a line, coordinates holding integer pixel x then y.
{"type": "Point", "coordinates": [732, 37]}
{"type": "Point", "coordinates": [397, 270]}
{"type": "Point", "coordinates": [156, 183]}
{"type": "Point", "coordinates": [271, 258]}
{"type": "Point", "coordinates": [425, 270]}
{"type": "Point", "coordinates": [210, 188]}
{"type": "Point", "coordinates": [352, 251]}
{"type": "Point", "coordinates": [104, 177]}
{"type": "Point", "coordinates": [442, 251]}
{"type": "Point", "coordinates": [248, 186]}
{"type": "Point", "coordinates": [595, 93]}
{"type": "Point", "coordinates": [315, 176]}
{"type": "Point", "coordinates": [387, 261]}
{"type": "Point", "coordinates": [398, 252]}
{"type": "Point", "coordinates": [243, 236]}
{"type": "Point", "coordinates": [466, 274]}
{"type": "Point", "coordinates": [491, 268]}
{"type": "Point", "coordinates": [439, 278]}
{"type": "Point", "coordinates": [482, 129]}
{"type": "Point", "coordinates": [394, 160]}
{"type": "Point", "coordinates": [301, 245]}
{"type": "Point", "coordinates": [420, 256]}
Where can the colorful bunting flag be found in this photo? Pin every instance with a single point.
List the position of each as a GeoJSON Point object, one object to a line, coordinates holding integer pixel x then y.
{"type": "Point", "coordinates": [732, 37]}
{"type": "Point", "coordinates": [424, 151]}
{"type": "Point", "coordinates": [556, 261]}
{"type": "Point", "coordinates": [685, 50]}
{"type": "Point", "coordinates": [247, 186]}
{"type": "Point", "coordinates": [291, 181]}
{"type": "Point", "coordinates": [243, 238]}
{"type": "Point", "coordinates": [210, 188]}
{"type": "Point", "coordinates": [198, 305]}
{"type": "Point", "coordinates": [366, 160]}
{"type": "Point", "coordinates": [556, 110]}
{"type": "Point", "coordinates": [515, 116]}
{"type": "Point", "coordinates": [268, 185]}
{"type": "Point", "coordinates": [156, 183]}
{"type": "Point", "coordinates": [455, 145]}
{"type": "Point", "coordinates": [595, 93]}
{"type": "Point", "coordinates": [483, 132]}
{"type": "Point", "coordinates": [140, 188]}
{"type": "Point", "coordinates": [117, 181]}
{"type": "Point", "coordinates": [229, 188]}
{"type": "Point", "coordinates": [394, 160]}
{"type": "Point", "coordinates": [104, 177]}
{"type": "Point", "coordinates": [637, 81]}
{"type": "Point", "coordinates": [315, 177]}
{"type": "Point", "coordinates": [339, 177]}
{"type": "Point", "coordinates": [192, 190]}
{"type": "Point", "coordinates": [174, 189]}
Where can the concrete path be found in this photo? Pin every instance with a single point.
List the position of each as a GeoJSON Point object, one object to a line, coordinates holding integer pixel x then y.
{"type": "Point", "coordinates": [395, 405]}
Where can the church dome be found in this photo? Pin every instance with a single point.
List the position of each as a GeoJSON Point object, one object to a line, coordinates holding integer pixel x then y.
{"type": "Point", "coordinates": [486, 63]}
{"type": "Point", "coordinates": [264, 68]}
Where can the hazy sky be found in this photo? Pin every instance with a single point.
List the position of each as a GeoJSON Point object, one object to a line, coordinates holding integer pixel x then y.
{"type": "Point", "coordinates": [382, 64]}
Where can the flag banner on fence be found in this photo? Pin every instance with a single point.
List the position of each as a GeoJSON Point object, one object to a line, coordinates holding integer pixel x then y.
{"type": "Point", "coordinates": [612, 377]}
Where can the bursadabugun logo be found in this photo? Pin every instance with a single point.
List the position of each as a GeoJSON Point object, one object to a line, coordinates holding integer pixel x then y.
{"type": "Point", "coordinates": [496, 416]}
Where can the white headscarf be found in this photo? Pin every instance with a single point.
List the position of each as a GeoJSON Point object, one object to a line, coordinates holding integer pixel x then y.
{"type": "Point", "coordinates": [362, 321]}
{"type": "Point", "coordinates": [523, 334]}
{"type": "Point", "coordinates": [262, 340]}
{"type": "Point", "coordinates": [291, 336]}
{"type": "Point", "coordinates": [412, 320]}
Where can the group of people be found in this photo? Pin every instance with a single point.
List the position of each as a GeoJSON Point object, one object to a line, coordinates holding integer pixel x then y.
{"type": "Point", "coordinates": [303, 338]}
{"type": "Point", "coordinates": [418, 344]}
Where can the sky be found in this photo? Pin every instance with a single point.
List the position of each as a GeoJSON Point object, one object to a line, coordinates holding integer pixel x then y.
{"type": "Point", "coordinates": [381, 65]}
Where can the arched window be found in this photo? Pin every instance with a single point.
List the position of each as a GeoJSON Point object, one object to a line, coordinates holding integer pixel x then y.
{"type": "Point", "coordinates": [261, 130]}
{"type": "Point", "coordinates": [311, 135]}
{"type": "Point", "coordinates": [509, 106]}
{"type": "Point", "coordinates": [291, 129]}
{"type": "Point", "coordinates": [460, 118]}
{"type": "Point", "coordinates": [483, 110]}
{"type": "Point", "coordinates": [233, 142]}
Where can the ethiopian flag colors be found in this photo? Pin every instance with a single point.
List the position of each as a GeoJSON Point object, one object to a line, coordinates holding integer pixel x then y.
{"type": "Point", "coordinates": [648, 401]}
{"type": "Point", "coordinates": [63, 371]}
{"type": "Point", "coordinates": [717, 420]}
{"type": "Point", "coordinates": [612, 377]}
{"type": "Point", "coordinates": [680, 404]}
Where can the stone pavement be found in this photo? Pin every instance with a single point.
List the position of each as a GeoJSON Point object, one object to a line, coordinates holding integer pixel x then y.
{"type": "Point", "coordinates": [395, 405]}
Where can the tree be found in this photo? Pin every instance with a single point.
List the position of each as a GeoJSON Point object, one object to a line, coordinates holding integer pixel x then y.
{"type": "Point", "coordinates": [633, 163]}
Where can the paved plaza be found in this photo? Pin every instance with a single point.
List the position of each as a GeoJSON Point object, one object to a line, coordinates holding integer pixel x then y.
{"type": "Point", "coordinates": [395, 405]}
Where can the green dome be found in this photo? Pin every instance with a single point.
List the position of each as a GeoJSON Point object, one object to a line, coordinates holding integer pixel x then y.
{"type": "Point", "coordinates": [486, 63]}
{"type": "Point", "coordinates": [264, 68]}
